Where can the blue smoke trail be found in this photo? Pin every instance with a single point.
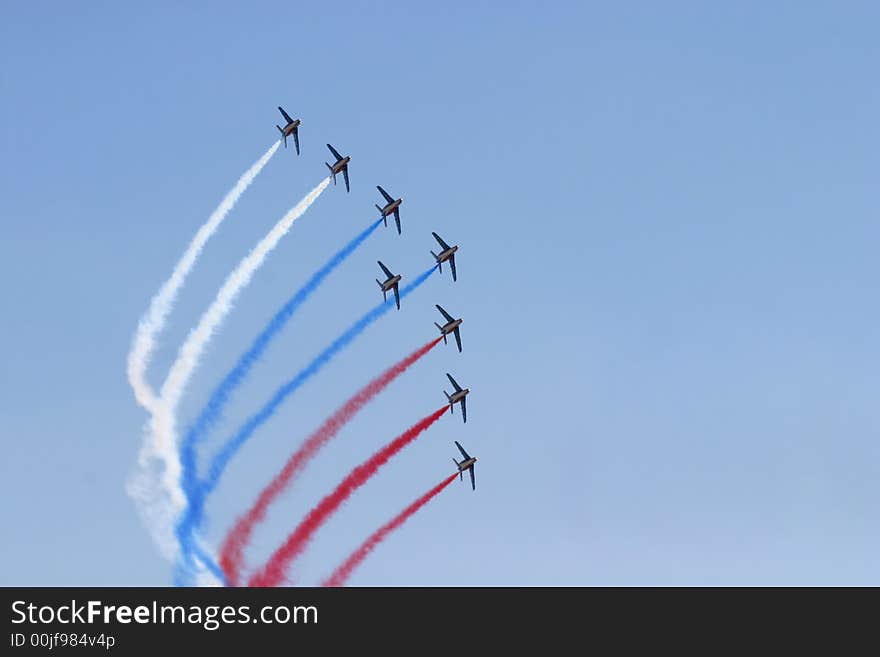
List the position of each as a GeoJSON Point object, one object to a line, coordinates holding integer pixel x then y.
{"type": "Point", "coordinates": [197, 493]}
{"type": "Point", "coordinates": [183, 567]}
{"type": "Point", "coordinates": [213, 410]}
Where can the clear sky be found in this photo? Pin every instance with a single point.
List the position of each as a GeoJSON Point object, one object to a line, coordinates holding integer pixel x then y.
{"type": "Point", "coordinates": [669, 227]}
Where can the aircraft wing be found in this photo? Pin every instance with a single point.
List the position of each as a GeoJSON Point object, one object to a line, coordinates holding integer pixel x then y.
{"type": "Point", "coordinates": [397, 297]}
{"type": "Point", "coordinates": [385, 269]}
{"type": "Point", "coordinates": [335, 152]}
{"type": "Point", "coordinates": [458, 338]}
{"type": "Point", "coordinates": [296, 141]}
{"type": "Point", "coordinates": [461, 449]}
{"type": "Point", "coordinates": [345, 173]}
{"type": "Point", "coordinates": [473, 483]}
{"type": "Point", "coordinates": [285, 115]}
{"type": "Point", "coordinates": [449, 318]}
{"type": "Point", "coordinates": [440, 241]}
{"type": "Point", "coordinates": [385, 194]}
{"type": "Point", "coordinates": [452, 381]}
{"type": "Point", "coordinates": [397, 219]}
{"type": "Point", "coordinates": [451, 264]}
{"type": "Point", "coordinates": [464, 409]}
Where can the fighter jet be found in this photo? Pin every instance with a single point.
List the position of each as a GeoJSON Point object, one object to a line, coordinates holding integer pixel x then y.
{"type": "Point", "coordinates": [447, 253]}
{"type": "Point", "coordinates": [451, 326]}
{"type": "Point", "coordinates": [390, 283]}
{"type": "Point", "coordinates": [390, 206]}
{"type": "Point", "coordinates": [459, 396]}
{"type": "Point", "coordinates": [341, 164]}
{"type": "Point", "coordinates": [466, 464]}
{"type": "Point", "coordinates": [290, 128]}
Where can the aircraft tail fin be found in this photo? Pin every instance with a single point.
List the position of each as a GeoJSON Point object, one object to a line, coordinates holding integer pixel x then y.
{"type": "Point", "coordinates": [283, 136]}
{"type": "Point", "coordinates": [458, 465]}
{"type": "Point", "coordinates": [439, 264]}
{"type": "Point", "coordinates": [384, 218]}
{"type": "Point", "coordinates": [441, 331]}
{"type": "Point", "coordinates": [331, 172]}
{"type": "Point", "coordinates": [378, 283]}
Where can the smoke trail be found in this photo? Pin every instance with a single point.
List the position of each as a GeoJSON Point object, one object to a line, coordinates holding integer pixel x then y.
{"type": "Point", "coordinates": [160, 306]}
{"type": "Point", "coordinates": [232, 552]}
{"type": "Point", "coordinates": [198, 338]}
{"type": "Point", "coordinates": [340, 576]}
{"type": "Point", "coordinates": [192, 517]}
{"type": "Point", "coordinates": [231, 447]}
{"type": "Point", "coordinates": [156, 486]}
{"type": "Point", "coordinates": [273, 571]}
{"type": "Point", "coordinates": [214, 408]}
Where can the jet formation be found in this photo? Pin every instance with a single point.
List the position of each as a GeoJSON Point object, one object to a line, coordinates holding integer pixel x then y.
{"type": "Point", "coordinates": [391, 283]}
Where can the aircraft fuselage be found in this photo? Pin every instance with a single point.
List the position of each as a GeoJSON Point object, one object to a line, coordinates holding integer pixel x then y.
{"type": "Point", "coordinates": [465, 465]}
{"type": "Point", "coordinates": [391, 282]}
{"type": "Point", "coordinates": [290, 127]}
{"type": "Point", "coordinates": [391, 207]}
{"type": "Point", "coordinates": [443, 256]}
{"type": "Point", "coordinates": [449, 327]}
{"type": "Point", "coordinates": [339, 166]}
{"type": "Point", "coordinates": [458, 396]}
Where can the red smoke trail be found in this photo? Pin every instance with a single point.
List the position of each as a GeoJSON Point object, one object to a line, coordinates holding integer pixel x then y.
{"type": "Point", "coordinates": [340, 576]}
{"type": "Point", "coordinates": [232, 552]}
{"type": "Point", "coordinates": [273, 570]}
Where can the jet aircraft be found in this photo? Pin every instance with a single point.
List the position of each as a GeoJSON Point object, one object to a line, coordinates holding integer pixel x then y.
{"type": "Point", "coordinates": [447, 253]}
{"type": "Point", "coordinates": [341, 164]}
{"type": "Point", "coordinates": [451, 326]}
{"type": "Point", "coordinates": [457, 397]}
{"type": "Point", "coordinates": [391, 206]}
{"type": "Point", "coordinates": [290, 128]}
{"type": "Point", "coordinates": [391, 283]}
{"type": "Point", "coordinates": [466, 464]}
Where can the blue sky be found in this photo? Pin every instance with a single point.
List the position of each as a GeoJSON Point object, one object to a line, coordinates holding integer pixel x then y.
{"type": "Point", "coordinates": [668, 222]}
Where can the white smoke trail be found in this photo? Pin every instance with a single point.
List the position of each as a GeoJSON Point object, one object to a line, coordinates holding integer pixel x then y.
{"type": "Point", "coordinates": [159, 512]}
{"type": "Point", "coordinates": [156, 486]}
{"type": "Point", "coordinates": [198, 338]}
{"type": "Point", "coordinates": [153, 321]}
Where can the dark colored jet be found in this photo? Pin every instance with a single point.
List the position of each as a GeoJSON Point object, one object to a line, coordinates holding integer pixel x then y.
{"type": "Point", "coordinates": [390, 206]}
{"type": "Point", "coordinates": [457, 397]}
{"type": "Point", "coordinates": [391, 283]}
{"type": "Point", "coordinates": [466, 464]}
{"type": "Point", "coordinates": [451, 326]}
{"type": "Point", "coordinates": [290, 128]}
{"type": "Point", "coordinates": [341, 164]}
{"type": "Point", "coordinates": [447, 253]}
